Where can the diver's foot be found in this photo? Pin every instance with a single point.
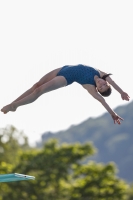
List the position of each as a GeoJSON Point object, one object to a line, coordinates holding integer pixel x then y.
{"type": "Point", "coordinates": [10, 107]}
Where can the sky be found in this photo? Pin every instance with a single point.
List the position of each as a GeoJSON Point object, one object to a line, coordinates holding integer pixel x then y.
{"type": "Point", "coordinates": [39, 36]}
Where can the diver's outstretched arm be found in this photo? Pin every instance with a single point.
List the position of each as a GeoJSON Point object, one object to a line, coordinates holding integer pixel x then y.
{"type": "Point", "coordinates": [116, 118]}
{"type": "Point", "coordinates": [92, 90]}
{"type": "Point", "coordinates": [123, 94]}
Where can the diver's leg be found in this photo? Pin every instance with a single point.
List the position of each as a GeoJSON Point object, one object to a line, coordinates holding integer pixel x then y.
{"type": "Point", "coordinates": [49, 76]}
{"type": "Point", "coordinates": [53, 84]}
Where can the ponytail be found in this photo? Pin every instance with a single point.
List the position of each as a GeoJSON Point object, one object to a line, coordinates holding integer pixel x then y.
{"type": "Point", "coordinates": [105, 76]}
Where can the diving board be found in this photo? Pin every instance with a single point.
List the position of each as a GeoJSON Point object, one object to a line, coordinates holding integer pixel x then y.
{"type": "Point", "coordinates": [15, 177]}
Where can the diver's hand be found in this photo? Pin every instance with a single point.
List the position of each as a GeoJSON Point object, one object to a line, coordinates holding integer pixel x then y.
{"type": "Point", "coordinates": [125, 96]}
{"type": "Point", "coordinates": [117, 119]}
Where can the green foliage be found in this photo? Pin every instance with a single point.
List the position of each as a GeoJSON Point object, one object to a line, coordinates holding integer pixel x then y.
{"type": "Point", "coordinates": [52, 167]}
{"type": "Point", "coordinates": [59, 173]}
{"type": "Point", "coordinates": [11, 142]}
{"type": "Point", "coordinates": [98, 182]}
{"type": "Point", "coordinates": [130, 192]}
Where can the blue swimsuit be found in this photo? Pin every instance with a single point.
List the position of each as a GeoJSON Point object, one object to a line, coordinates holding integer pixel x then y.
{"type": "Point", "coordinates": [81, 74]}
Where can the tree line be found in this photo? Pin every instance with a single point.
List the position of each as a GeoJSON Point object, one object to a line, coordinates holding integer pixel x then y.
{"type": "Point", "coordinates": [59, 170]}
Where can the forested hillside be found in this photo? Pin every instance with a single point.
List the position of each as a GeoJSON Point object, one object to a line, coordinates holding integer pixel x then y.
{"type": "Point", "coordinates": [113, 142]}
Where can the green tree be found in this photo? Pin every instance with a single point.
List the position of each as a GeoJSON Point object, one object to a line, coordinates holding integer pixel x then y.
{"type": "Point", "coordinates": [52, 167]}
{"type": "Point", "coordinates": [11, 142]}
{"type": "Point", "coordinates": [60, 174]}
{"type": "Point", "coordinates": [97, 182]}
{"type": "Point", "coordinates": [130, 192]}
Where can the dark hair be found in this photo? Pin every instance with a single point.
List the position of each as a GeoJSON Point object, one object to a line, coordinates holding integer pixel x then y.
{"type": "Point", "coordinates": [109, 90]}
{"type": "Point", "coordinates": [105, 76]}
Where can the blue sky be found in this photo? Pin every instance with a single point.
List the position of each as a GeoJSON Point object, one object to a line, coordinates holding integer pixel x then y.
{"type": "Point", "coordinates": [39, 36]}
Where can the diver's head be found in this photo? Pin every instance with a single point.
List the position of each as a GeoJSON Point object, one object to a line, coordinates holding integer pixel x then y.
{"type": "Point", "coordinates": [103, 86]}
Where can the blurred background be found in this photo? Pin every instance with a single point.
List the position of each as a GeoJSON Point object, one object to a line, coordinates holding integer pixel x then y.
{"type": "Point", "coordinates": [65, 138]}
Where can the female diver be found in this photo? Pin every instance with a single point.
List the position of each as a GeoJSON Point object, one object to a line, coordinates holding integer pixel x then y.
{"type": "Point", "coordinates": [96, 82]}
